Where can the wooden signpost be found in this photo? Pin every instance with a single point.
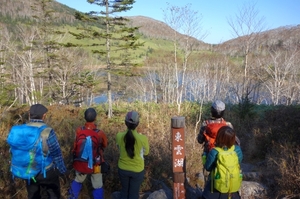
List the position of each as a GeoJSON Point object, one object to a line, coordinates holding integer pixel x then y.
{"type": "Point", "coordinates": [178, 157]}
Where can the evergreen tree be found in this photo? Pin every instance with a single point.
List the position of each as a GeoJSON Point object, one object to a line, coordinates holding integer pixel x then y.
{"type": "Point", "coordinates": [114, 40]}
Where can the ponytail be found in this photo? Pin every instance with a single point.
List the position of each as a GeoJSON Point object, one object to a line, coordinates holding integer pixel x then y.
{"type": "Point", "coordinates": [129, 143]}
{"type": "Point", "coordinates": [129, 139]}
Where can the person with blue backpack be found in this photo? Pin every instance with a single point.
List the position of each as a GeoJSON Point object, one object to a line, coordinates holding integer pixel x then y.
{"type": "Point", "coordinates": [36, 155]}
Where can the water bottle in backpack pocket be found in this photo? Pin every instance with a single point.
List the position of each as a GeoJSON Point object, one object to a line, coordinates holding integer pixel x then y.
{"type": "Point", "coordinates": [97, 168]}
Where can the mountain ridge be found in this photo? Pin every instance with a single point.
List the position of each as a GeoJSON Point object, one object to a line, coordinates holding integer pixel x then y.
{"type": "Point", "coordinates": [149, 27]}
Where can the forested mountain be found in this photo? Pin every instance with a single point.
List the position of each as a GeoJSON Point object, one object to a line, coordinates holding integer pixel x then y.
{"type": "Point", "coordinates": [279, 38]}
{"type": "Point", "coordinates": [12, 11]}
{"type": "Point", "coordinates": [156, 29]}
{"type": "Point", "coordinates": [259, 67]}
{"type": "Point", "coordinates": [15, 10]}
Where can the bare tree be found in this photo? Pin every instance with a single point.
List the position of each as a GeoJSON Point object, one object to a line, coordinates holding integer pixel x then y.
{"type": "Point", "coordinates": [7, 96]}
{"type": "Point", "coordinates": [247, 24]}
{"type": "Point", "coordinates": [279, 72]}
{"type": "Point", "coordinates": [146, 88]}
{"type": "Point", "coordinates": [186, 24]}
{"type": "Point", "coordinates": [23, 65]}
{"type": "Point", "coordinates": [67, 81]}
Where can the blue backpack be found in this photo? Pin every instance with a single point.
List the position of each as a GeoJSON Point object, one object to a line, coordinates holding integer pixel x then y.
{"type": "Point", "coordinates": [29, 150]}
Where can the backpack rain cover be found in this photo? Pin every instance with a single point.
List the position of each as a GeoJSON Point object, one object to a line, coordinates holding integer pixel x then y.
{"type": "Point", "coordinates": [27, 156]}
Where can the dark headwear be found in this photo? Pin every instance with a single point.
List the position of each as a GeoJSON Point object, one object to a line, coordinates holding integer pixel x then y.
{"type": "Point", "coordinates": [37, 111]}
{"type": "Point", "coordinates": [90, 115]}
{"type": "Point", "coordinates": [132, 117]}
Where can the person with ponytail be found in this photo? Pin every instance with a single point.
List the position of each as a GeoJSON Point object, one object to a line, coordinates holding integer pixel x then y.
{"type": "Point", "coordinates": [133, 146]}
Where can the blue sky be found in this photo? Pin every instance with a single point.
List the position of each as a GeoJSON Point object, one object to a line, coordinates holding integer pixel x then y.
{"type": "Point", "coordinates": [214, 13]}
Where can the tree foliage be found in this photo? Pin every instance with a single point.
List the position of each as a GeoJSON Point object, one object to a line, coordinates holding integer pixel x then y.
{"type": "Point", "coordinates": [117, 36]}
{"type": "Point", "coordinates": [35, 67]}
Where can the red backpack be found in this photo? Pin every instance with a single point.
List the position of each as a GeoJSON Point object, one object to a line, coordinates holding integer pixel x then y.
{"type": "Point", "coordinates": [210, 133]}
{"type": "Point", "coordinates": [80, 164]}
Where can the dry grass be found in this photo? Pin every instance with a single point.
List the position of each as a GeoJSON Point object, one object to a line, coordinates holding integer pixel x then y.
{"type": "Point", "coordinates": [284, 161]}
{"type": "Point", "coordinates": [260, 142]}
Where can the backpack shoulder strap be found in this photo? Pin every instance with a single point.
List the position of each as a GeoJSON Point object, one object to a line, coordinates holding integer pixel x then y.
{"type": "Point", "coordinates": [96, 130]}
{"type": "Point", "coordinates": [45, 135]}
{"type": "Point", "coordinates": [37, 124]}
{"type": "Point", "coordinates": [219, 149]}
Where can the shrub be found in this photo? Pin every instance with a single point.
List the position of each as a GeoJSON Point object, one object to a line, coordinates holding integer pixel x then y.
{"type": "Point", "coordinates": [284, 180]}
{"type": "Point", "coordinates": [270, 135]}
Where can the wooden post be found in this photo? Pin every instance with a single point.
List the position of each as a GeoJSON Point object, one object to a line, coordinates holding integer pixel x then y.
{"type": "Point", "coordinates": [178, 148]}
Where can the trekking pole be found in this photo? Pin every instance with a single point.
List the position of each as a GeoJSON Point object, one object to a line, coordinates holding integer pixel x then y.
{"type": "Point", "coordinates": [178, 155]}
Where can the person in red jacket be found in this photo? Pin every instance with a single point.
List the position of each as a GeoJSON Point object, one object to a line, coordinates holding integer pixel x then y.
{"type": "Point", "coordinates": [88, 161]}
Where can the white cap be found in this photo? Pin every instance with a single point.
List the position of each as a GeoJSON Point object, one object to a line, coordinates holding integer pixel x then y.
{"type": "Point", "coordinates": [218, 105]}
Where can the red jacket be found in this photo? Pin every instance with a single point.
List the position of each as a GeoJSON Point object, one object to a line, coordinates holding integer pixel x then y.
{"type": "Point", "coordinates": [83, 166]}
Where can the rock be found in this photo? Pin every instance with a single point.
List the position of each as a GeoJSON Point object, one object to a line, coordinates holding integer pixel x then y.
{"type": "Point", "coordinates": [160, 185]}
{"type": "Point", "coordinates": [160, 194]}
{"type": "Point", "coordinates": [252, 176]}
{"type": "Point", "coordinates": [249, 190]}
{"type": "Point", "coordinates": [253, 190]}
{"type": "Point", "coordinates": [200, 179]}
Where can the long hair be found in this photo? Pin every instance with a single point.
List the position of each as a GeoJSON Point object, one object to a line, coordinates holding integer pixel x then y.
{"type": "Point", "coordinates": [129, 139]}
{"type": "Point", "coordinates": [225, 137]}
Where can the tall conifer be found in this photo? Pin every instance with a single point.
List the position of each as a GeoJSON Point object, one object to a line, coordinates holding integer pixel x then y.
{"type": "Point", "coordinates": [114, 38]}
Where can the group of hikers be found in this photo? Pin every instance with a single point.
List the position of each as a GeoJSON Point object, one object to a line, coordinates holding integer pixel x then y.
{"type": "Point", "coordinates": [37, 158]}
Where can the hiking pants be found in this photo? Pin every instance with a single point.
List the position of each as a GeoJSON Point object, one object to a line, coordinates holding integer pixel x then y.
{"type": "Point", "coordinates": [48, 187]}
{"type": "Point", "coordinates": [76, 185]}
{"type": "Point", "coordinates": [131, 182]}
{"type": "Point", "coordinates": [96, 179]}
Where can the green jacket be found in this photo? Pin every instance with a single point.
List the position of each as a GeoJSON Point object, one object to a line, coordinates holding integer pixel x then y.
{"type": "Point", "coordinates": [141, 148]}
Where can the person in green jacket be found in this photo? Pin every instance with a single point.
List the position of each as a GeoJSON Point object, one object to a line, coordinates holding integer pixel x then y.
{"type": "Point", "coordinates": [133, 146]}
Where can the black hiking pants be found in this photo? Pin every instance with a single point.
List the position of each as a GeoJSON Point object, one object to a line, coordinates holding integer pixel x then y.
{"type": "Point", "coordinates": [44, 188]}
